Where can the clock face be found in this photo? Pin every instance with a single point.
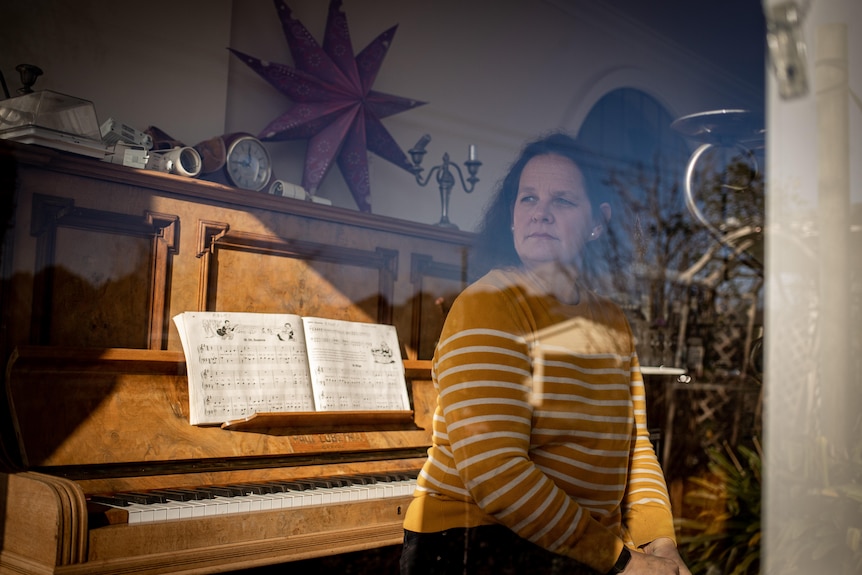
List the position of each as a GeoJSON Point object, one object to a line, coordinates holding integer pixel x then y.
{"type": "Point", "coordinates": [248, 164]}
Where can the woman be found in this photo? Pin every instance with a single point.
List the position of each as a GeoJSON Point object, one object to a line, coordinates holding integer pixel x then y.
{"type": "Point", "coordinates": [541, 460]}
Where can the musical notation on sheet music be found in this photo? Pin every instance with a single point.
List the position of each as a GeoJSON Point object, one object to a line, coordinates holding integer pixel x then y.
{"type": "Point", "coordinates": [240, 364]}
{"type": "Point", "coordinates": [355, 366]}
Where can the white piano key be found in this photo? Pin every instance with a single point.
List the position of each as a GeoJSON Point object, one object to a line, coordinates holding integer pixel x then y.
{"type": "Point", "coordinates": [232, 505]}
{"type": "Point", "coordinates": [173, 510]}
{"type": "Point", "coordinates": [289, 499]}
{"type": "Point", "coordinates": [139, 513]}
{"type": "Point", "coordinates": [254, 502]}
{"type": "Point", "coordinates": [216, 506]}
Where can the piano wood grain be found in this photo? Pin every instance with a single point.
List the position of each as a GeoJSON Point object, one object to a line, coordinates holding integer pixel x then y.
{"type": "Point", "coordinates": [93, 407]}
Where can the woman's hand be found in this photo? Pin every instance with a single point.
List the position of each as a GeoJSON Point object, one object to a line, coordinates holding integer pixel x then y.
{"type": "Point", "coordinates": [659, 557]}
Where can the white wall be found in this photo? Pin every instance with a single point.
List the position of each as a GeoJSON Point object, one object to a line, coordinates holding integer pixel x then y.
{"type": "Point", "coordinates": [494, 73]}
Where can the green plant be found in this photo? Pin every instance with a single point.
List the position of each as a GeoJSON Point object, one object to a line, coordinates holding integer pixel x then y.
{"type": "Point", "coordinates": [722, 530]}
{"type": "Point", "coordinates": [817, 512]}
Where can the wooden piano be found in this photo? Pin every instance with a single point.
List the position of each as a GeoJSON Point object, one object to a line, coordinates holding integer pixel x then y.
{"type": "Point", "coordinates": [97, 259]}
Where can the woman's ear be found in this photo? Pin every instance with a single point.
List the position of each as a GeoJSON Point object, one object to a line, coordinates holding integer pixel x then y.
{"type": "Point", "coordinates": [606, 211]}
{"type": "Point", "coordinates": [606, 217]}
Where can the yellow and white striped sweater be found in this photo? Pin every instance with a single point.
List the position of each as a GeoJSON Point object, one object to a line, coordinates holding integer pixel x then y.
{"type": "Point", "coordinates": [540, 425]}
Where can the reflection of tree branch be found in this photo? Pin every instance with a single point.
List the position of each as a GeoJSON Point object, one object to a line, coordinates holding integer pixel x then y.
{"type": "Point", "coordinates": [683, 282]}
{"type": "Point", "coordinates": [687, 277]}
{"type": "Point", "coordinates": [664, 235]}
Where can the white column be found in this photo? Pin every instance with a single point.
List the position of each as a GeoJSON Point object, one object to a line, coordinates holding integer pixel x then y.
{"type": "Point", "coordinates": [813, 358]}
{"type": "Point", "coordinates": [833, 197]}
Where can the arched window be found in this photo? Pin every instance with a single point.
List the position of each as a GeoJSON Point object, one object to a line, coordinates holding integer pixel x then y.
{"type": "Point", "coordinates": [631, 130]}
{"type": "Point", "coordinates": [652, 235]}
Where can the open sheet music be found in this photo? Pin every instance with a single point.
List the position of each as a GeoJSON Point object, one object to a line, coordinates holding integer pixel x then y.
{"type": "Point", "coordinates": [240, 364]}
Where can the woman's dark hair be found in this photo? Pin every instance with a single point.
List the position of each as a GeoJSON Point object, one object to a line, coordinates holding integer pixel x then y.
{"type": "Point", "coordinates": [494, 245]}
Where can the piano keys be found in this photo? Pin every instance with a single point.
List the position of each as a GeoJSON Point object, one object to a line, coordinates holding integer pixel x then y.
{"type": "Point", "coordinates": [206, 501]}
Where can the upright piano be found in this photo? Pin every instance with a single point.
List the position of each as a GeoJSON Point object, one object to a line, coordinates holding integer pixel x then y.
{"type": "Point", "coordinates": [101, 471]}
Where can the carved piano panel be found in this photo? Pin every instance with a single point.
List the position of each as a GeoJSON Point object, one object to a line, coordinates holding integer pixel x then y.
{"type": "Point", "coordinates": [264, 273]}
{"type": "Point", "coordinates": [97, 260]}
{"type": "Point", "coordinates": [98, 274]}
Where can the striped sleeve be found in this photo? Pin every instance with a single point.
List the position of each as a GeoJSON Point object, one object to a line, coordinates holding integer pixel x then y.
{"type": "Point", "coordinates": [647, 507]}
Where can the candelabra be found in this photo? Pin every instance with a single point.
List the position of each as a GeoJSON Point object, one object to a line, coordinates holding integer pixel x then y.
{"type": "Point", "coordinates": [445, 178]}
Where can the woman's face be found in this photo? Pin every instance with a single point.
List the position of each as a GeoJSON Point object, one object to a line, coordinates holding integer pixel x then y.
{"type": "Point", "coordinates": [552, 218]}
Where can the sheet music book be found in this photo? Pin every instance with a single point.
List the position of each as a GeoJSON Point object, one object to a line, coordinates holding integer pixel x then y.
{"type": "Point", "coordinates": [242, 363]}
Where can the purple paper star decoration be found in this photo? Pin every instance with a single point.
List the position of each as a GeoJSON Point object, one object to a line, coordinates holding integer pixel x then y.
{"type": "Point", "coordinates": [334, 105]}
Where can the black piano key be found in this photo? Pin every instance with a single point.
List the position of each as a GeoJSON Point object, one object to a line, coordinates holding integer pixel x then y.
{"type": "Point", "coordinates": [296, 485]}
{"type": "Point", "coordinates": [142, 498]}
{"type": "Point", "coordinates": [153, 497]}
{"type": "Point", "coordinates": [380, 478]}
{"type": "Point", "coordinates": [255, 488]}
{"type": "Point", "coordinates": [195, 493]}
{"type": "Point", "coordinates": [178, 494]}
{"type": "Point", "coordinates": [203, 492]}
{"type": "Point", "coordinates": [343, 481]}
{"type": "Point", "coordinates": [359, 479]}
{"type": "Point", "coordinates": [223, 490]}
{"type": "Point", "coordinates": [200, 494]}
{"type": "Point", "coordinates": [110, 500]}
{"type": "Point", "coordinates": [216, 491]}
{"type": "Point", "coordinates": [273, 487]}
{"type": "Point", "coordinates": [237, 490]}
{"type": "Point", "coordinates": [389, 477]}
{"type": "Point", "coordinates": [339, 482]}
{"type": "Point", "coordinates": [277, 486]}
